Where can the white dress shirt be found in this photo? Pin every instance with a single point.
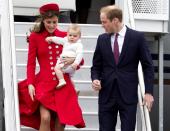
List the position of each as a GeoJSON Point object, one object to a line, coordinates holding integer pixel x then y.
{"type": "Point", "coordinates": [120, 38]}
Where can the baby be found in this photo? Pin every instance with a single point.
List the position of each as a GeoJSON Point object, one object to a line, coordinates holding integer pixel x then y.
{"type": "Point", "coordinates": [73, 48]}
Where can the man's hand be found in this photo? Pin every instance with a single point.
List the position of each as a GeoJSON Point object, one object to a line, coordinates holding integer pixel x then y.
{"type": "Point", "coordinates": [31, 91]}
{"type": "Point", "coordinates": [148, 101]}
{"type": "Point", "coordinates": [96, 85]}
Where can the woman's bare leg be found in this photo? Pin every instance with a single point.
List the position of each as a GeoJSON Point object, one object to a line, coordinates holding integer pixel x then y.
{"type": "Point", "coordinates": [45, 119]}
{"type": "Point", "coordinates": [58, 125]}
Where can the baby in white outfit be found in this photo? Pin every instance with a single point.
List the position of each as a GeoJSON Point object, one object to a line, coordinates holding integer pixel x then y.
{"type": "Point", "coordinates": [72, 48]}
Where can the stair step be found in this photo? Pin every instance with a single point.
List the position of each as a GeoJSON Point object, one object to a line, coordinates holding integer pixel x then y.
{"type": "Point", "coordinates": [89, 42]}
{"type": "Point", "coordinates": [84, 87]}
{"type": "Point", "coordinates": [88, 103]}
{"type": "Point", "coordinates": [82, 74]}
{"type": "Point", "coordinates": [67, 129]}
{"type": "Point", "coordinates": [22, 54]}
{"type": "Point", "coordinates": [23, 27]}
{"type": "Point", "coordinates": [91, 124]}
{"type": "Point", "coordinates": [23, 128]}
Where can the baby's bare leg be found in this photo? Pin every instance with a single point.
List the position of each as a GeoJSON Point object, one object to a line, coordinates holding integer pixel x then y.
{"type": "Point", "coordinates": [60, 76]}
{"type": "Point", "coordinates": [58, 72]}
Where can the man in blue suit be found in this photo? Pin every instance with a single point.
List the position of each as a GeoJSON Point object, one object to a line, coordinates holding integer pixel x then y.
{"type": "Point", "coordinates": [114, 71]}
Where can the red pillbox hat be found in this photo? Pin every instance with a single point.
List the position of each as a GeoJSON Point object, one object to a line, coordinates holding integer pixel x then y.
{"type": "Point", "coordinates": [47, 7]}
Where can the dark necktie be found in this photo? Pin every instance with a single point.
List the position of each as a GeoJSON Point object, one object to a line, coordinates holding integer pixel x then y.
{"type": "Point", "coordinates": [116, 49]}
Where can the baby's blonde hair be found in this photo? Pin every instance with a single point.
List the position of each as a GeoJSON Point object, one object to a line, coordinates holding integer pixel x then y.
{"type": "Point", "coordinates": [75, 28]}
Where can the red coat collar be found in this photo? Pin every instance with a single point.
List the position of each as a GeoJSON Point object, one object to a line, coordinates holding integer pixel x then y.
{"type": "Point", "coordinates": [57, 32]}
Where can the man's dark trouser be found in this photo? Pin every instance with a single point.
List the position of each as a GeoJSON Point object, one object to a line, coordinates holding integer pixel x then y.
{"type": "Point", "coordinates": [108, 113]}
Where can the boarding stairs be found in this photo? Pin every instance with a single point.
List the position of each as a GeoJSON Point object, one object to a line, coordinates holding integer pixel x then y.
{"type": "Point", "coordinates": [88, 98]}
{"type": "Point", "coordinates": [14, 58]}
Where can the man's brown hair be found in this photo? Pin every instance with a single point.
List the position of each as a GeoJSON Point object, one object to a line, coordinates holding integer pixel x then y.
{"type": "Point", "coordinates": [112, 11]}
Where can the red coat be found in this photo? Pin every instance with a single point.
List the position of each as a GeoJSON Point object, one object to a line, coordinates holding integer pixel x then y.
{"type": "Point", "coordinates": [62, 101]}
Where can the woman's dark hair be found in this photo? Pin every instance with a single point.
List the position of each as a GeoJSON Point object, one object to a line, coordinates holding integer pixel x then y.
{"type": "Point", "coordinates": [39, 26]}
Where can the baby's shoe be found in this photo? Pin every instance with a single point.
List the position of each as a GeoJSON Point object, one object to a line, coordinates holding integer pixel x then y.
{"type": "Point", "coordinates": [61, 83]}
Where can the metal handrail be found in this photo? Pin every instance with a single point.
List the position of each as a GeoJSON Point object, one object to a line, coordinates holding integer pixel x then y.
{"type": "Point", "coordinates": [142, 93]}
{"type": "Point", "coordinates": [141, 87]}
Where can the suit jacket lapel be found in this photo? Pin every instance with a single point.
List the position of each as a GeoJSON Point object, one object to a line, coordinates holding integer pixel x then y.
{"type": "Point", "coordinates": [125, 45]}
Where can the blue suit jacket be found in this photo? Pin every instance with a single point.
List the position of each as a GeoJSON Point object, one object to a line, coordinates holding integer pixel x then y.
{"type": "Point", "coordinates": [126, 71]}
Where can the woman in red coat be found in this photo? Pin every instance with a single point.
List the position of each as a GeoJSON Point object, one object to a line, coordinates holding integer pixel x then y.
{"type": "Point", "coordinates": [42, 106]}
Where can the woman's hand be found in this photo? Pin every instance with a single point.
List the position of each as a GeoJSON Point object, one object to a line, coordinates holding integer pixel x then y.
{"type": "Point", "coordinates": [31, 90]}
{"type": "Point", "coordinates": [74, 66]}
{"type": "Point", "coordinates": [68, 60]}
